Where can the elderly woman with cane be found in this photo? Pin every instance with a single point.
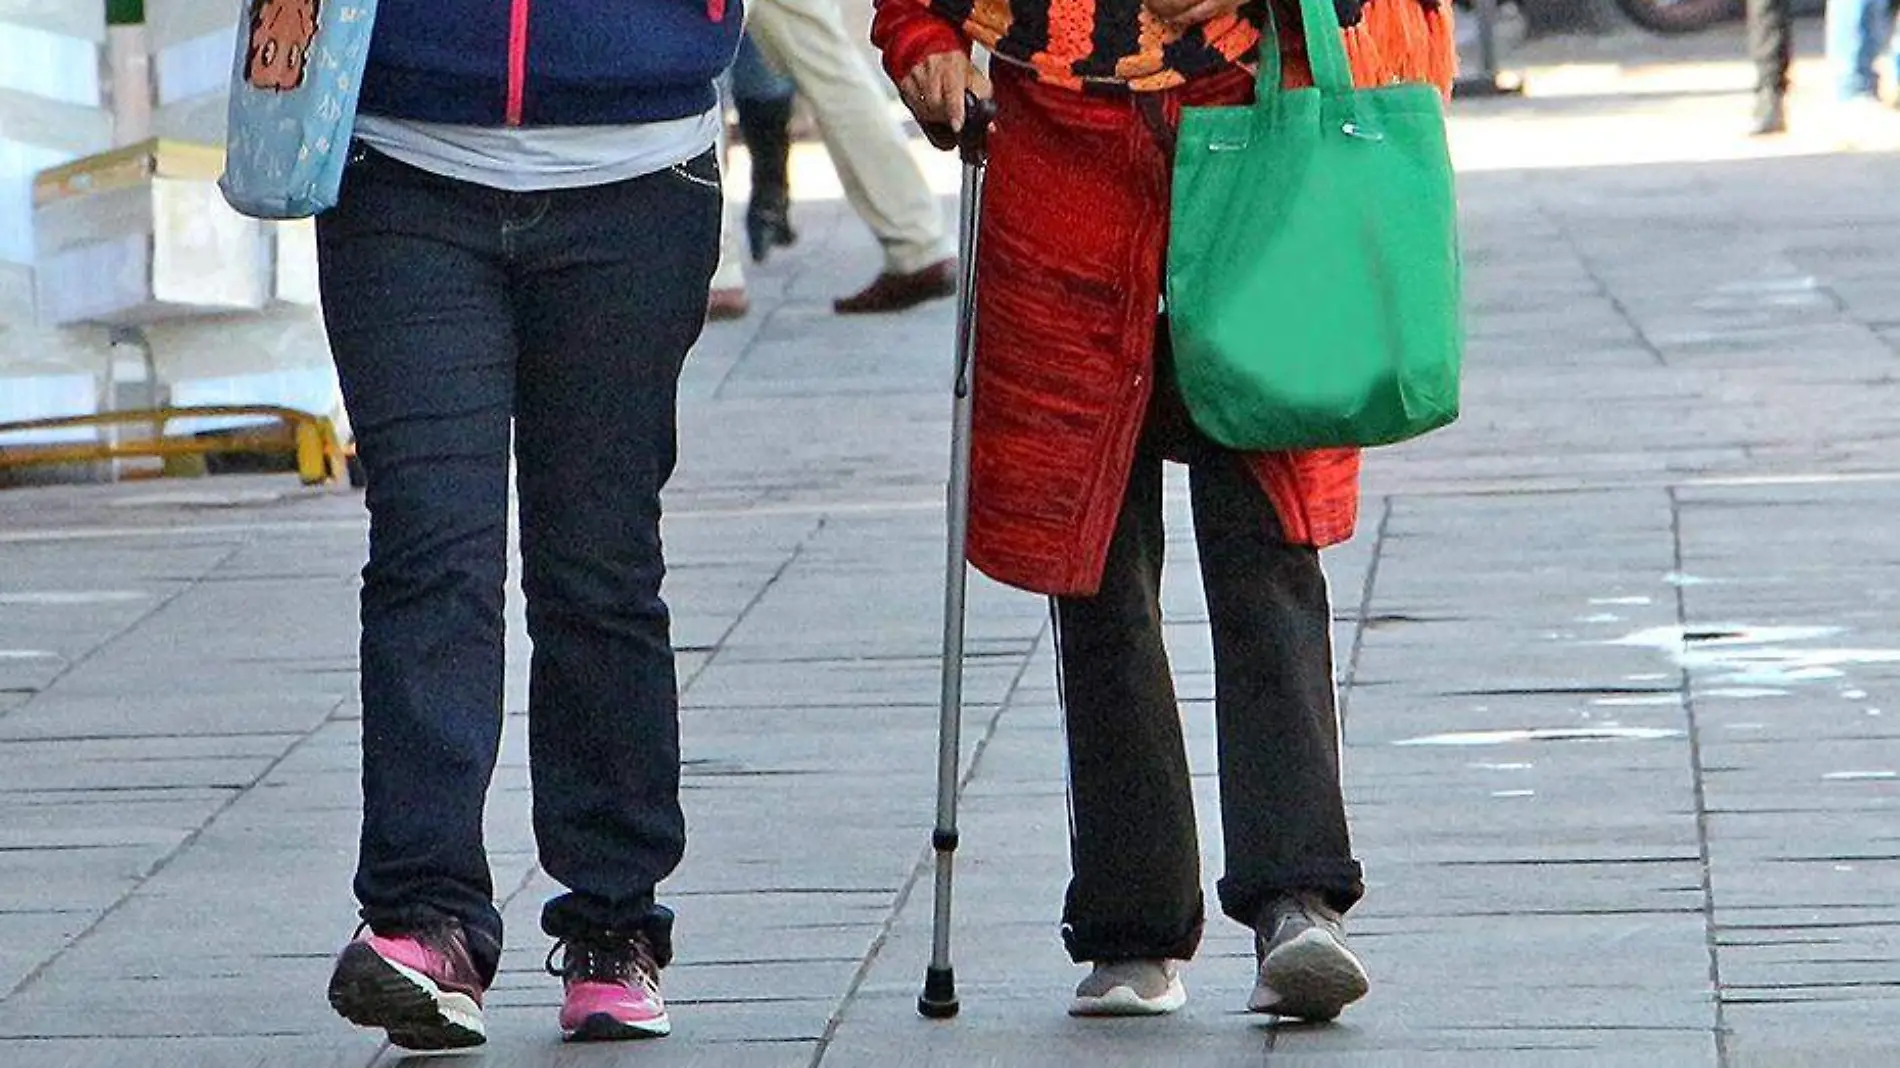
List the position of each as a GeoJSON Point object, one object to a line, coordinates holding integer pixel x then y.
{"type": "Point", "coordinates": [1075, 411]}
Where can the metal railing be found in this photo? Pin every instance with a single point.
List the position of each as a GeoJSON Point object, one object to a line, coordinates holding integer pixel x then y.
{"type": "Point", "coordinates": [321, 456]}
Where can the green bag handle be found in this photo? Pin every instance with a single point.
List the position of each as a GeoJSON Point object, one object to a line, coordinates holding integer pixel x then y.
{"type": "Point", "coordinates": [1325, 51]}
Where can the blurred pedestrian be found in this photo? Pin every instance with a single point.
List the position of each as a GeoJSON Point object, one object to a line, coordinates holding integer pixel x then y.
{"type": "Point", "coordinates": [807, 40]}
{"type": "Point", "coordinates": [764, 99]}
{"type": "Point", "coordinates": [1858, 31]}
{"type": "Point", "coordinates": [1075, 412]}
{"type": "Point", "coordinates": [1771, 44]}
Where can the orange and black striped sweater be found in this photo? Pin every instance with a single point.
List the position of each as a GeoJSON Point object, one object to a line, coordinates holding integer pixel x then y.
{"type": "Point", "coordinates": [1113, 42]}
{"type": "Point", "coordinates": [1117, 45]}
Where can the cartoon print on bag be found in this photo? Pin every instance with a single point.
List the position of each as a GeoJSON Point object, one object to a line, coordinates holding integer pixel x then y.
{"type": "Point", "coordinates": [282, 32]}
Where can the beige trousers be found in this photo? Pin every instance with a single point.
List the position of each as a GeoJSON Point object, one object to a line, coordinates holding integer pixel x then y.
{"type": "Point", "coordinates": [807, 40]}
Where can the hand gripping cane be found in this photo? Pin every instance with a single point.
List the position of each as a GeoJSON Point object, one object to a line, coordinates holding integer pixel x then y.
{"type": "Point", "coordinates": [939, 999]}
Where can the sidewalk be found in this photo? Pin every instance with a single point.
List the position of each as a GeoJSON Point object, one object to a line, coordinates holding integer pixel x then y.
{"type": "Point", "coordinates": [1621, 655]}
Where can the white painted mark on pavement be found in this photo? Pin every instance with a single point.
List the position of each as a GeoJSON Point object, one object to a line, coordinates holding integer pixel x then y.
{"type": "Point", "coordinates": [1754, 658]}
{"type": "Point", "coordinates": [1860, 776]}
{"type": "Point", "coordinates": [1544, 734]}
{"type": "Point", "coordinates": [66, 598]}
{"type": "Point", "coordinates": [200, 500]}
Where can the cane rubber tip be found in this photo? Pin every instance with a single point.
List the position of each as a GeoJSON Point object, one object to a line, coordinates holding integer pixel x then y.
{"type": "Point", "coordinates": [939, 999]}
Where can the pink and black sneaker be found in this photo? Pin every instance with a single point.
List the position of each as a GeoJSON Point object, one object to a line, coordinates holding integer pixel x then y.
{"type": "Point", "coordinates": [422, 987]}
{"type": "Point", "coordinates": [613, 991]}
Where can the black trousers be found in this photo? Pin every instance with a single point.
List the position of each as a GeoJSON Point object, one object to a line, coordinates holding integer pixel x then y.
{"type": "Point", "coordinates": [1136, 888]}
{"type": "Point", "coordinates": [1771, 44]}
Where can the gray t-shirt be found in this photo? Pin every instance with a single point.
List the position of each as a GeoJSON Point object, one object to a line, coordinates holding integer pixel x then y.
{"type": "Point", "coordinates": [527, 159]}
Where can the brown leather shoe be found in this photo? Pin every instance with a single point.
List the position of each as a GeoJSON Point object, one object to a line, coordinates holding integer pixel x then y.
{"type": "Point", "coordinates": [723, 305]}
{"type": "Point", "coordinates": [893, 292]}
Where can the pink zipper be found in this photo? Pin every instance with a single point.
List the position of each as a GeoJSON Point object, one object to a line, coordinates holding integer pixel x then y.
{"type": "Point", "coordinates": [517, 61]}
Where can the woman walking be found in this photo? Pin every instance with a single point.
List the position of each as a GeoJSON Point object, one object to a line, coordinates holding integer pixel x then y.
{"type": "Point", "coordinates": [1075, 413]}
{"type": "Point", "coordinates": [517, 267]}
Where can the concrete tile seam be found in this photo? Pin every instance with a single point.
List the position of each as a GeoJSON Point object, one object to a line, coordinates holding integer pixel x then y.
{"type": "Point", "coordinates": [158, 866]}
{"type": "Point", "coordinates": [158, 606]}
{"type": "Point", "coordinates": [926, 860]}
{"type": "Point", "coordinates": [779, 573]}
{"type": "Point", "coordinates": [1703, 838]}
{"type": "Point", "coordinates": [1348, 677]}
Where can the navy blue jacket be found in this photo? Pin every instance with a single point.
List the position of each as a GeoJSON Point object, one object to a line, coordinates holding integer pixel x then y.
{"type": "Point", "coordinates": [548, 62]}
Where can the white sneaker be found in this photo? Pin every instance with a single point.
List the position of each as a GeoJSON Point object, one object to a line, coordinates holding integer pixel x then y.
{"type": "Point", "coordinates": [1130, 988]}
{"type": "Point", "coordinates": [1306, 971]}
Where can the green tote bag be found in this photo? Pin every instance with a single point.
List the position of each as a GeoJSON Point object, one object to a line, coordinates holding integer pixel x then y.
{"type": "Point", "coordinates": [1313, 281]}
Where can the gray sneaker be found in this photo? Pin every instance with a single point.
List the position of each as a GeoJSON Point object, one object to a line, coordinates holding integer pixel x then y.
{"type": "Point", "coordinates": [1306, 971]}
{"type": "Point", "coordinates": [1130, 988]}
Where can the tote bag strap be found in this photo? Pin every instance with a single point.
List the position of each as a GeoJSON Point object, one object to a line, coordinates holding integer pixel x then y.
{"type": "Point", "coordinates": [1325, 51]}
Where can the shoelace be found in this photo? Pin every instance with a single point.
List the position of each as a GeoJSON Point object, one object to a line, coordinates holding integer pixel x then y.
{"type": "Point", "coordinates": [613, 962]}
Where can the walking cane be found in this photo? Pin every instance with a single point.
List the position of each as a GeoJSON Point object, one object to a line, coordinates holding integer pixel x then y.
{"type": "Point", "coordinates": [939, 999]}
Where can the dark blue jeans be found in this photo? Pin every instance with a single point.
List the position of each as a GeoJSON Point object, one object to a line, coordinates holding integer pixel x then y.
{"type": "Point", "coordinates": [459, 316]}
{"type": "Point", "coordinates": [1858, 31]}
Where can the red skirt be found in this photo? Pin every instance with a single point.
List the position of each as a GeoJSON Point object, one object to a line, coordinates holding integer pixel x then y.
{"type": "Point", "coordinates": [1069, 274]}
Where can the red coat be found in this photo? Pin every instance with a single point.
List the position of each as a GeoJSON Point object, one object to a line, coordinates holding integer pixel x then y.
{"type": "Point", "coordinates": [1074, 234]}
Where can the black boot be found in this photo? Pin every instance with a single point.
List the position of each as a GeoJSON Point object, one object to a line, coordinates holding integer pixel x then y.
{"type": "Point", "coordinates": [766, 126]}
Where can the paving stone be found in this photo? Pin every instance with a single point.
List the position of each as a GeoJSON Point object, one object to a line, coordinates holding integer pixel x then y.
{"type": "Point", "coordinates": [30, 939]}
{"type": "Point", "coordinates": [249, 1051]}
{"type": "Point", "coordinates": [224, 1006]}
{"type": "Point", "coordinates": [137, 711]}
{"type": "Point", "coordinates": [1855, 1029]}
{"type": "Point", "coordinates": [1807, 1052]}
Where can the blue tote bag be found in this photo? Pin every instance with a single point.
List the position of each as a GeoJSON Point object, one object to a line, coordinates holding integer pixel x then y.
{"type": "Point", "coordinates": [299, 70]}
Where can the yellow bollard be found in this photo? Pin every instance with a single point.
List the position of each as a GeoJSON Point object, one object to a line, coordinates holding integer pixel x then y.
{"type": "Point", "coordinates": [313, 461]}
